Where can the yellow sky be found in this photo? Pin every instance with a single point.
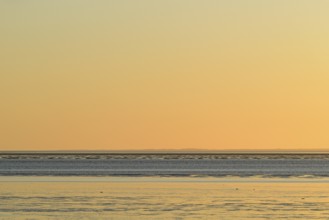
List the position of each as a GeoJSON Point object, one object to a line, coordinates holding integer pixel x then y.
{"type": "Point", "coordinates": [171, 74]}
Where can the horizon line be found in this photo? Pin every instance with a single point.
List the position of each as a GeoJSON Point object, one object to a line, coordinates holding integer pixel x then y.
{"type": "Point", "coordinates": [186, 150]}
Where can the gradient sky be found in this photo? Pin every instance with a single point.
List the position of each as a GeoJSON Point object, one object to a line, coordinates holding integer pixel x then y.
{"type": "Point", "coordinates": [171, 74]}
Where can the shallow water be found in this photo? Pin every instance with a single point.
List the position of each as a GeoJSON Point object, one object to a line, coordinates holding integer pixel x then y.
{"type": "Point", "coordinates": [164, 186]}
{"type": "Point", "coordinates": [219, 165]}
{"type": "Point", "coordinates": [161, 198]}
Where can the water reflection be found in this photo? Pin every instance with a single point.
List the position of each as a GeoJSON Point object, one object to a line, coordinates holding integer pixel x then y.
{"type": "Point", "coordinates": [164, 200]}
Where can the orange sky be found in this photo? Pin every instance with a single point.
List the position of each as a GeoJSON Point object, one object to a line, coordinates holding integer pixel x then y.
{"type": "Point", "coordinates": [117, 75]}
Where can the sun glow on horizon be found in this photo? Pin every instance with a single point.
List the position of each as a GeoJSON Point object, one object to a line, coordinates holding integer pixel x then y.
{"type": "Point", "coordinates": [116, 75]}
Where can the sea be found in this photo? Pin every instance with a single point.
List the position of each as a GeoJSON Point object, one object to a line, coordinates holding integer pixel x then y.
{"type": "Point", "coordinates": [107, 185]}
{"type": "Point", "coordinates": [170, 164]}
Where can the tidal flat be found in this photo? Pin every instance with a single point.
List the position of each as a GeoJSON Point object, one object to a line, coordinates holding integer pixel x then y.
{"type": "Point", "coordinates": [32, 197]}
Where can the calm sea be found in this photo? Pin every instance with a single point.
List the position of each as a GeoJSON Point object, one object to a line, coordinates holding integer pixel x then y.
{"type": "Point", "coordinates": [214, 165]}
{"type": "Point", "coordinates": [163, 186]}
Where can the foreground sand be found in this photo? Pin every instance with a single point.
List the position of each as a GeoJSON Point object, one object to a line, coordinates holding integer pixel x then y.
{"type": "Point", "coordinates": [162, 198]}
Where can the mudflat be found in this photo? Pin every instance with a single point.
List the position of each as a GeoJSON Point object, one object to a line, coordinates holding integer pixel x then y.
{"type": "Point", "coordinates": [163, 198]}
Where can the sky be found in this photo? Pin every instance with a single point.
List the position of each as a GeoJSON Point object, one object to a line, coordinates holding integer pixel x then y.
{"type": "Point", "coordinates": [173, 74]}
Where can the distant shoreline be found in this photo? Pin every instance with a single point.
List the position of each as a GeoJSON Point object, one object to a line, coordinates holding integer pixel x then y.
{"type": "Point", "coordinates": [168, 152]}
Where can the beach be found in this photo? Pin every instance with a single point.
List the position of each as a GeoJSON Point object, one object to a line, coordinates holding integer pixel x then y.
{"type": "Point", "coordinates": [164, 186]}
{"type": "Point", "coordinates": [164, 110]}
{"type": "Point", "coordinates": [162, 198]}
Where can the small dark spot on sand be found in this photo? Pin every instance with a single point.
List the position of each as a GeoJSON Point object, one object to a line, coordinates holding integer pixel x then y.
{"type": "Point", "coordinates": [236, 188]}
{"type": "Point", "coordinates": [101, 192]}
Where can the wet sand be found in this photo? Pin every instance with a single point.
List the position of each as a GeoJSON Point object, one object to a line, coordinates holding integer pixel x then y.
{"type": "Point", "coordinates": [162, 198]}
